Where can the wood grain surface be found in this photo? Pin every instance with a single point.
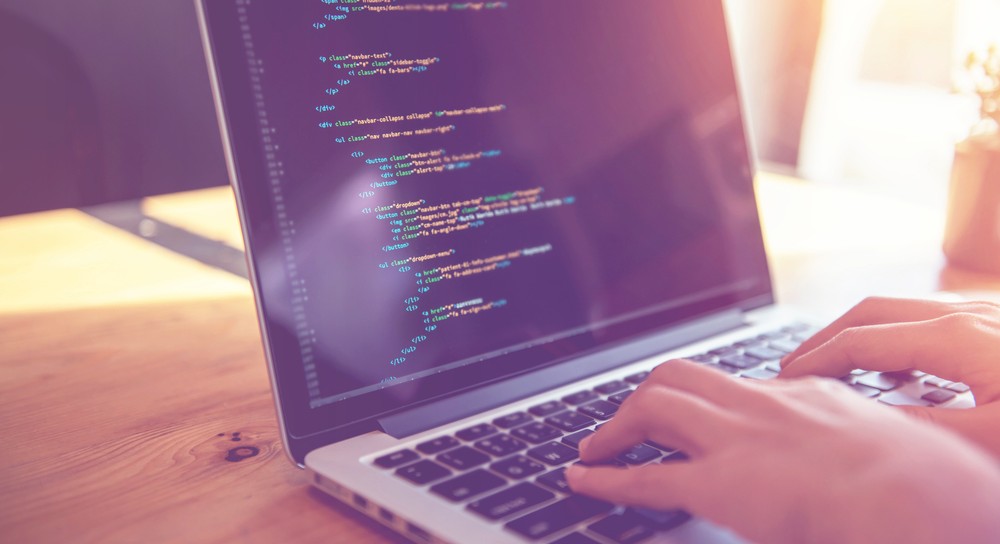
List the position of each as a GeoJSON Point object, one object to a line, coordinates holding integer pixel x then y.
{"type": "Point", "coordinates": [150, 424]}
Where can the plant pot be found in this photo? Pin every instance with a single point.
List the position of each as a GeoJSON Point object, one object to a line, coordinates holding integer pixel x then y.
{"type": "Point", "coordinates": [972, 231]}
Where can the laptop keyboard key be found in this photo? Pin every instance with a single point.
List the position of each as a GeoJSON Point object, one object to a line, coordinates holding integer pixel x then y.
{"type": "Point", "coordinates": [468, 485]}
{"type": "Point", "coordinates": [760, 374]}
{"type": "Point", "coordinates": [898, 398]}
{"type": "Point", "coordinates": [741, 362]}
{"type": "Point", "coordinates": [575, 538]}
{"type": "Point", "coordinates": [624, 528]}
{"type": "Point", "coordinates": [599, 409]}
{"type": "Point", "coordinates": [437, 445]}
{"type": "Point", "coordinates": [556, 517]}
{"type": "Point", "coordinates": [636, 379]}
{"type": "Point", "coordinates": [476, 432]}
{"type": "Point", "coordinates": [662, 520]}
{"type": "Point", "coordinates": [517, 467]}
{"type": "Point", "coordinates": [958, 387]}
{"type": "Point", "coordinates": [764, 353]}
{"type": "Point", "coordinates": [879, 381]}
{"type": "Point", "coordinates": [575, 438]}
{"type": "Point", "coordinates": [500, 445]}
{"type": "Point", "coordinates": [397, 458]}
{"type": "Point", "coordinates": [423, 472]}
{"type": "Point", "coordinates": [611, 387]}
{"type": "Point", "coordinates": [675, 457]}
{"type": "Point", "coordinates": [510, 501]}
{"type": "Point", "coordinates": [536, 433]}
{"type": "Point", "coordinates": [553, 453]}
{"type": "Point", "coordinates": [569, 421]}
{"type": "Point", "coordinates": [512, 420]}
{"type": "Point", "coordinates": [938, 396]}
{"type": "Point", "coordinates": [784, 346]}
{"type": "Point", "coordinates": [463, 458]}
{"type": "Point", "coordinates": [638, 455]}
{"type": "Point", "coordinates": [555, 480]}
{"type": "Point", "coordinates": [869, 392]}
{"type": "Point", "coordinates": [547, 408]}
{"type": "Point", "coordinates": [619, 398]}
{"type": "Point", "coordinates": [579, 397]}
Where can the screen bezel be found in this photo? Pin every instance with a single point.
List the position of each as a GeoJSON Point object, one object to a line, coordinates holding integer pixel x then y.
{"type": "Point", "coordinates": [306, 427]}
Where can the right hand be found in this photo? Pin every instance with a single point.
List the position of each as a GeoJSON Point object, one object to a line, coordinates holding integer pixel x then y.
{"type": "Point", "coordinates": [958, 342]}
{"type": "Point", "coordinates": [788, 461]}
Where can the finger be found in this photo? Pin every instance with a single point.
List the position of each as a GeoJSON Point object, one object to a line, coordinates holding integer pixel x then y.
{"type": "Point", "coordinates": [873, 311]}
{"type": "Point", "coordinates": [707, 383]}
{"type": "Point", "coordinates": [977, 425]}
{"type": "Point", "coordinates": [667, 416]}
{"type": "Point", "coordinates": [885, 348]}
{"type": "Point", "coordinates": [660, 487]}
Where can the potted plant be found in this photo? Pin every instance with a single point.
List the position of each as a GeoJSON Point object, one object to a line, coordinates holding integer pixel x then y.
{"type": "Point", "coordinates": [972, 232]}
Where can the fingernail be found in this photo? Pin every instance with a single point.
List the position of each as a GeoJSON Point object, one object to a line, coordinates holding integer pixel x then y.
{"type": "Point", "coordinates": [584, 442]}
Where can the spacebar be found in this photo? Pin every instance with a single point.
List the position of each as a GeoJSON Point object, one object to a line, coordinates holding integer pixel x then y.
{"type": "Point", "coordinates": [558, 516]}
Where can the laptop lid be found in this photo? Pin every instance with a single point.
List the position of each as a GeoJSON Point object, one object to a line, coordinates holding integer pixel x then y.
{"type": "Point", "coordinates": [436, 196]}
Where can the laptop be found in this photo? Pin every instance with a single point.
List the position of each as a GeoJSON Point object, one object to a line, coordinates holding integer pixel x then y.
{"type": "Point", "coordinates": [473, 228]}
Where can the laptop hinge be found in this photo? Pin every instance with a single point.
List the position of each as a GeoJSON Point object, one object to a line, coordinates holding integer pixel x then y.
{"type": "Point", "coordinates": [462, 405]}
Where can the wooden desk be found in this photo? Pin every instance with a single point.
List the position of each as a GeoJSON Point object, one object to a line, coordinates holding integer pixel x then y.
{"type": "Point", "coordinates": [134, 401]}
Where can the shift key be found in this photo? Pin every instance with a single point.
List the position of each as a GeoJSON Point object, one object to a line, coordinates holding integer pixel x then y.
{"type": "Point", "coordinates": [556, 517]}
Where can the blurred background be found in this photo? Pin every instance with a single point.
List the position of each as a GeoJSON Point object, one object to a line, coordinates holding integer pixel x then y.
{"type": "Point", "coordinates": [108, 100]}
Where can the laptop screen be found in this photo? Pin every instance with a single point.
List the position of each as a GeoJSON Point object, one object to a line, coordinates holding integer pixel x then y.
{"type": "Point", "coordinates": [440, 194]}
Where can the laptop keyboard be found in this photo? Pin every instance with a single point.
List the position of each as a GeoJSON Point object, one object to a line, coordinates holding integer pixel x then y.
{"type": "Point", "coordinates": [511, 470]}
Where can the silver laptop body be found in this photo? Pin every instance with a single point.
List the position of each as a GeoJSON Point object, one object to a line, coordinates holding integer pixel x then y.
{"type": "Point", "coordinates": [472, 227]}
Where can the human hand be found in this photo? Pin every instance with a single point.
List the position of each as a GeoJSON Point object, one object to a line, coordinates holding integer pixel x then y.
{"type": "Point", "coordinates": [958, 342]}
{"type": "Point", "coordinates": [802, 460]}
